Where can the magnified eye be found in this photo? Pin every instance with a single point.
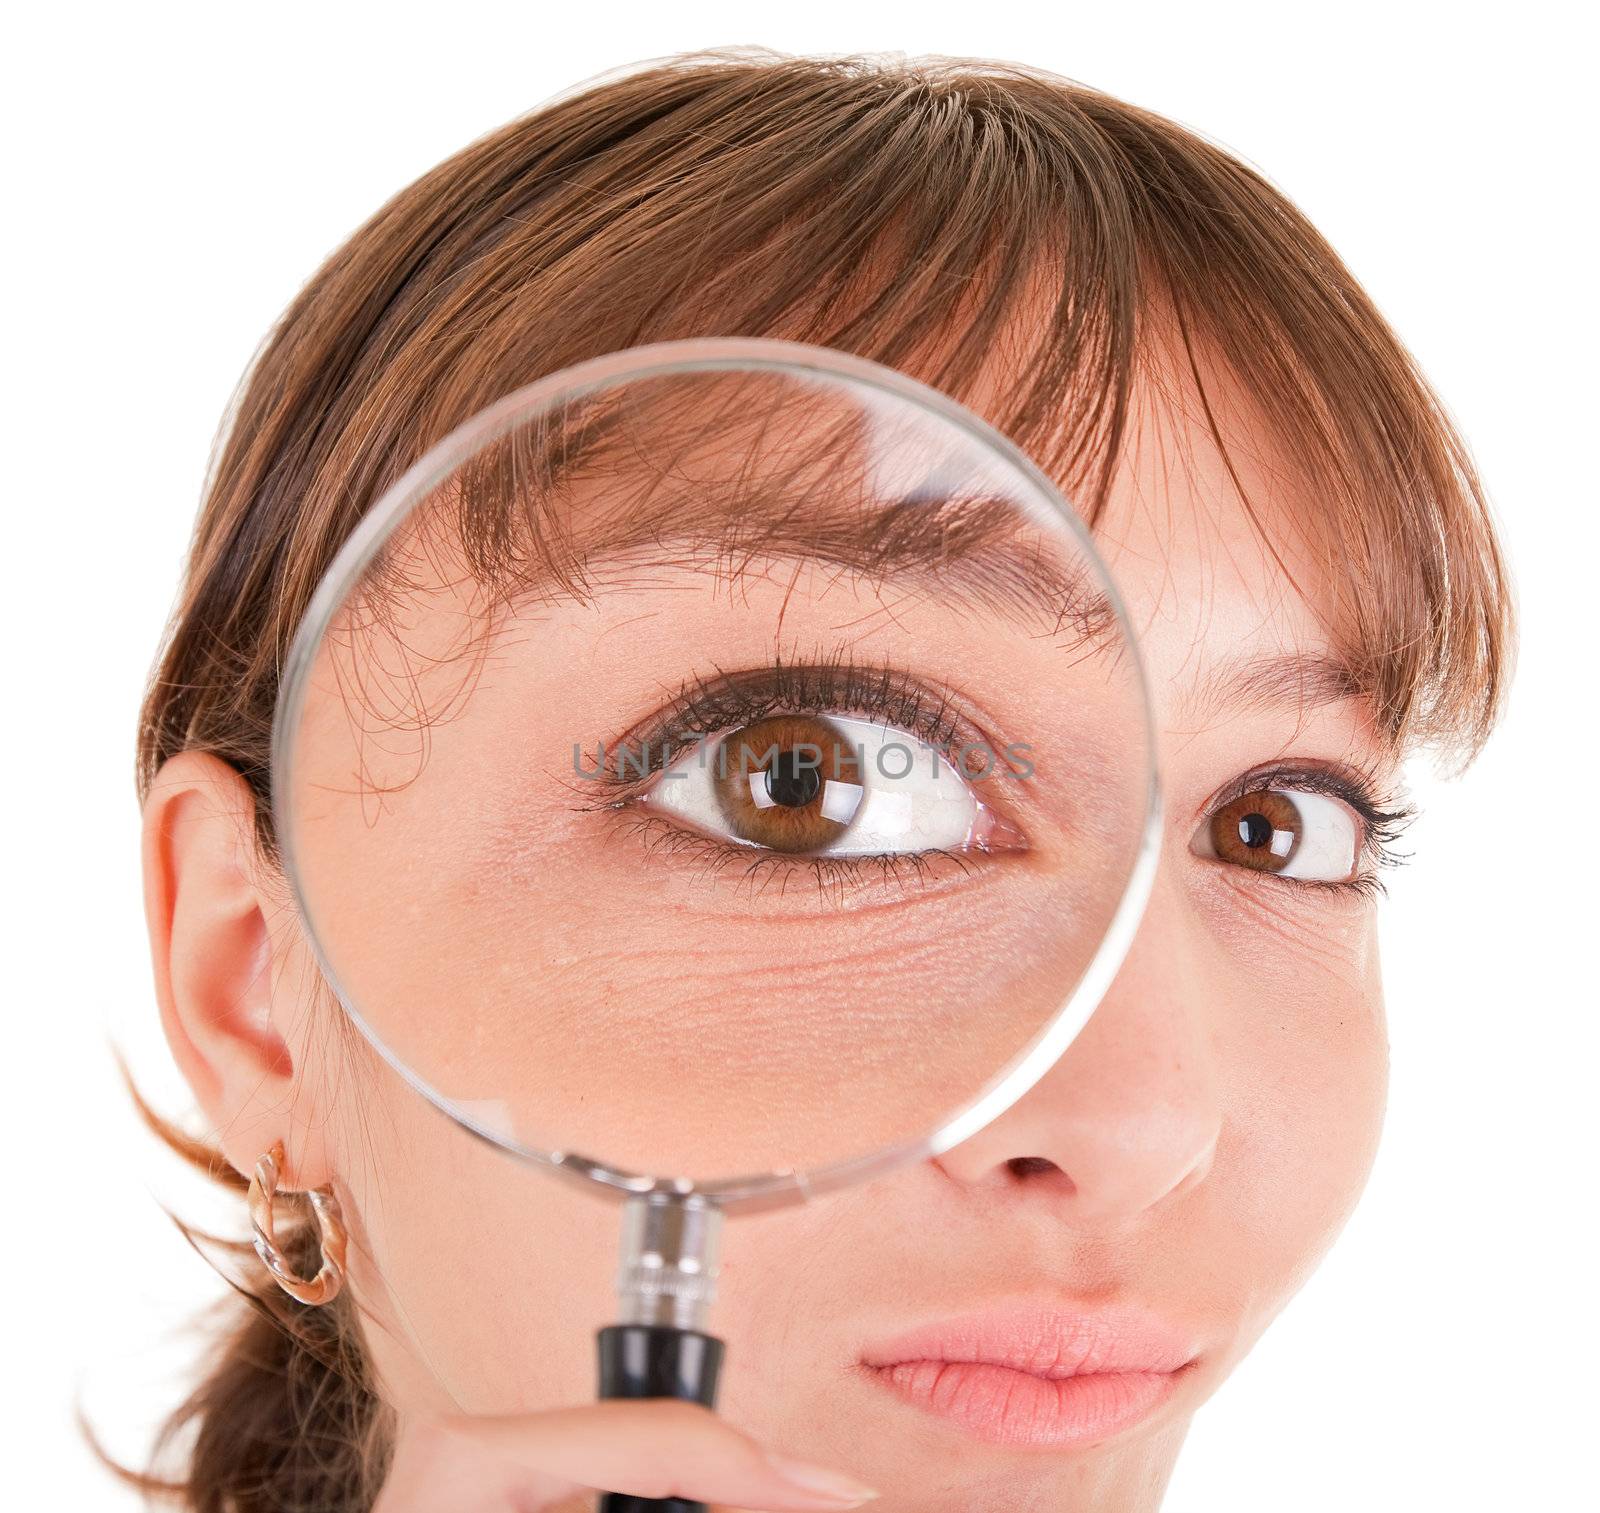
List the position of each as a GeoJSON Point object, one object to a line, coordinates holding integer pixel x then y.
{"type": "Point", "coordinates": [1309, 836]}
{"type": "Point", "coordinates": [823, 785]}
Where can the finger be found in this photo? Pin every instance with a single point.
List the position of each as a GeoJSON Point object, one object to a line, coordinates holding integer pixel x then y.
{"type": "Point", "coordinates": [653, 1447]}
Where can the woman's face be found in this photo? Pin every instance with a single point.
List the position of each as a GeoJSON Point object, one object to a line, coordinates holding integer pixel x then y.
{"type": "Point", "coordinates": [1129, 1225]}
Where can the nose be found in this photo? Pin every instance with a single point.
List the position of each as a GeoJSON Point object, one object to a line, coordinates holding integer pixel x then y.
{"type": "Point", "coordinates": [1131, 1113]}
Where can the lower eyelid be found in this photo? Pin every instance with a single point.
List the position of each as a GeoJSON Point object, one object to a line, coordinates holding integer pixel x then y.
{"type": "Point", "coordinates": [721, 856]}
{"type": "Point", "coordinates": [1259, 885]}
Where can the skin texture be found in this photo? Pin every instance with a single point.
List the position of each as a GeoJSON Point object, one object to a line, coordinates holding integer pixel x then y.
{"type": "Point", "coordinates": [1193, 1154]}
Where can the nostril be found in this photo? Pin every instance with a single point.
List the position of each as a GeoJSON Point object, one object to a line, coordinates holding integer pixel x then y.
{"type": "Point", "coordinates": [1027, 1168]}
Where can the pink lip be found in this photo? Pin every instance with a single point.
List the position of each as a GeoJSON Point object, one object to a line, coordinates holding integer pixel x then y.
{"type": "Point", "coordinates": [1026, 1376]}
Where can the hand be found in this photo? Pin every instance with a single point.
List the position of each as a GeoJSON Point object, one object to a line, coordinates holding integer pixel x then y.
{"type": "Point", "coordinates": [545, 1462]}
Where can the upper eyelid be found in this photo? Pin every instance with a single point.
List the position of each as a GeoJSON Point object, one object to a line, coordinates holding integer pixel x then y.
{"type": "Point", "coordinates": [1356, 787]}
{"type": "Point", "coordinates": [945, 721]}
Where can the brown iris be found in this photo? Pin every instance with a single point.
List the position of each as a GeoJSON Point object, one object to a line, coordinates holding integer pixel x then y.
{"type": "Point", "coordinates": [789, 783]}
{"type": "Point", "coordinates": [1260, 830]}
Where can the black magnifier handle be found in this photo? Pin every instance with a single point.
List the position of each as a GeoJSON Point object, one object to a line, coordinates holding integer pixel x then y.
{"type": "Point", "coordinates": [657, 1360]}
{"type": "Point", "coordinates": [665, 1284]}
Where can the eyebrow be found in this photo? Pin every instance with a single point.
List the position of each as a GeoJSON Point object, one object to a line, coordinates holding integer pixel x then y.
{"type": "Point", "coordinates": [1302, 680]}
{"type": "Point", "coordinates": [978, 549]}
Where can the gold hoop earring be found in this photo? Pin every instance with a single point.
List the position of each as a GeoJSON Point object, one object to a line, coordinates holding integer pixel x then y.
{"type": "Point", "coordinates": [323, 1287]}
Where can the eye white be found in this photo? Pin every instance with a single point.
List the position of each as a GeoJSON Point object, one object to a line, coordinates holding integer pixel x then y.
{"type": "Point", "coordinates": [1329, 839]}
{"type": "Point", "coordinates": [910, 797]}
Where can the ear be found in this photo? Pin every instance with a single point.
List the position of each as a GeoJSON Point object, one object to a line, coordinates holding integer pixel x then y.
{"type": "Point", "coordinates": [215, 967]}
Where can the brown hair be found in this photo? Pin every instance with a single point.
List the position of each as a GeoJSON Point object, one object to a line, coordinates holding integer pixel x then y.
{"type": "Point", "coordinates": [744, 192]}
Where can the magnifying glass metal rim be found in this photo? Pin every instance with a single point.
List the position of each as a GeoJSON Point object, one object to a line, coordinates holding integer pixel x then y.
{"type": "Point", "coordinates": [761, 1190]}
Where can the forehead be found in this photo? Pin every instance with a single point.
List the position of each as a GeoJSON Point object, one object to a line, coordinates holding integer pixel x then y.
{"type": "Point", "coordinates": [1206, 545]}
{"type": "Point", "coordinates": [1211, 546]}
{"type": "Point", "coordinates": [1215, 547]}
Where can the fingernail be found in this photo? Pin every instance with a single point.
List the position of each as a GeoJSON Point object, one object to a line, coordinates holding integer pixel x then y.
{"type": "Point", "coordinates": [845, 1492]}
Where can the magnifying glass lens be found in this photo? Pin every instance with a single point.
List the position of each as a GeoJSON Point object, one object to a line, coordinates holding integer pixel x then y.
{"type": "Point", "coordinates": [723, 762]}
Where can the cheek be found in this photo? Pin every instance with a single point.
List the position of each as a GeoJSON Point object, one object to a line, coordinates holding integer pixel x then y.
{"type": "Point", "coordinates": [459, 1253]}
{"type": "Point", "coordinates": [483, 1280]}
{"type": "Point", "coordinates": [1304, 1055]}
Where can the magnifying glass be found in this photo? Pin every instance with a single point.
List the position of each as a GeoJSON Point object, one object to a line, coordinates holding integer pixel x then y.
{"type": "Point", "coordinates": [719, 772]}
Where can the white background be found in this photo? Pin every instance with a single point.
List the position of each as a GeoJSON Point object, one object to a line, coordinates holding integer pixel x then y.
{"type": "Point", "coordinates": [174, 173]}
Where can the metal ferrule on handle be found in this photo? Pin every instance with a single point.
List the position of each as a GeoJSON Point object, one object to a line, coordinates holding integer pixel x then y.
{"type": "Point", "coordinates": [665, 1286]}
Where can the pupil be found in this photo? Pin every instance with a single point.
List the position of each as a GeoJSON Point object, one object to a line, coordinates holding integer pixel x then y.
{"type": "Point", "coordinates": [1255, 830]}
{"type": "Point", "coordinates": [793, 779]}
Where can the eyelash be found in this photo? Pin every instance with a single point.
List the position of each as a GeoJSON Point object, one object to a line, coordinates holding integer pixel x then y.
{"type": "Point", "coordinates": [1384, 816]}
{"type": "Point", "coordinates": [703, 706]}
